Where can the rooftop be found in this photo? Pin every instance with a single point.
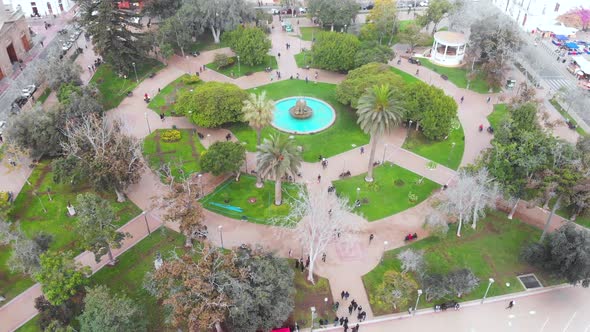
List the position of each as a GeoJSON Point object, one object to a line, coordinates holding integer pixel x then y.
{"type": "Point", "coordinates": [450, 38]}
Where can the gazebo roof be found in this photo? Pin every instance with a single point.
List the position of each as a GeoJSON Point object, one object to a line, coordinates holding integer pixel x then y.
{"type": "Point", "coordinates": [450, 38]}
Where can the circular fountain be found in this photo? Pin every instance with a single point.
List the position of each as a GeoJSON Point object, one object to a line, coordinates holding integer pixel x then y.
{"type": "Point", "coordinates": [303, 115]}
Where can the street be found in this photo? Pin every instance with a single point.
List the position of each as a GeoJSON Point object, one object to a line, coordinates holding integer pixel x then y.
{"type": "Point", "coordinates": [563, 310]}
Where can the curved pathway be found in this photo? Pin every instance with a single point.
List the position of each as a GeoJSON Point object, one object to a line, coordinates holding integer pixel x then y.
{"type": "Point", "coordinates": [346, 262]}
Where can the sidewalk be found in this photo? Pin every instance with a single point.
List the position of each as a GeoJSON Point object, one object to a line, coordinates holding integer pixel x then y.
{"type": "Point", "coordinates": [22, 308]}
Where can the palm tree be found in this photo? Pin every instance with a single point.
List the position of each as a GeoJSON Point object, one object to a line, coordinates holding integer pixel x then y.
{"type": "Point", "coordinates": [378, 113]}
{"type": "Point", "coordinates": [277, 157]}
{"type": "Point", "coordinates": [258, 111]}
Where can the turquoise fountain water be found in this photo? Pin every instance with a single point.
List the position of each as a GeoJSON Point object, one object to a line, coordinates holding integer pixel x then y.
{"type": "Point", "coordinates": [323, 116]}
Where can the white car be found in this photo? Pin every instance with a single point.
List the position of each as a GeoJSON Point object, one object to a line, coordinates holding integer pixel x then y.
{"type": "Point", "coordinates": [302, 10]}
{"type": "Point", "coordinates": [2, 126]}
{"type": "Point", "coordinates": [28, 91]}
{"type": "Point", "coordinates": [423, 4]}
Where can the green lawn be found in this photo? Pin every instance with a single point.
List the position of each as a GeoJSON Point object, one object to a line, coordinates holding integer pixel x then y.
{"type": "Point", "coordinates": [441, 152]}
{"type": "Point", "coordinates": [458, 76]}
{"type": "Point", "coordinates": [303, 59]}
{"type": "Point", "coordinates": [204, 43]}
{"type": "Point", "coordinates": [28, 210]}
{"type": "Point", "coordinates": [164, 102]}
{"type": "Point", "coordinates": [308, 295]}
{"type": "Point", "coordinates": [566, 212]}
{"type": "Point", "coordinates": [402, 26]}
{"type": "Point", "coordinates": [344, 134]}
{"type": "Point", "coordinates": [114, 89]}
{"type": "Point", "coordinates": [491, 251]}
{"type": "Point", "coordinates": [30, 326]}
{"type": "Point", "coordinates": [564, 113]}
{"type": "Point", "coordinates": [408, 78]}
{"type": "Point", "coordinates": [182, 155]}
{"type": "Point", "coordinates": [388, 194]}
{"type": "Point", "coordinates": [257, 204]}
{"type": "Point", "coordinates": [235, 71]}
{"type": "Point", "coordinates": [127, 276]}
{"type": "Point", "coordinates": [43, 97]}
{"type": "Point", "coordinates": [308, 33]}
{"type": "Point", "coordinates": [498, 115]}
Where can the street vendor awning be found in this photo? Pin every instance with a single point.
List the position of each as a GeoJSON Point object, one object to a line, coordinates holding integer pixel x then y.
{"type": "Point", "coordinates": [561, 37]}
{"type": "Point", "coordinates": [571, 45]}
{"type": "Point", "coordinates": [582, 63]}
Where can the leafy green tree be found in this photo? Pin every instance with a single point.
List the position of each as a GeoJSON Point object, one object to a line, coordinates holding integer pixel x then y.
{"type": "Point", "coordinates": [106, 312]}
{"type": "Point", "coordinates": [57, 318]}
{"type": "Point", "coordinates": [116, 36]}
{"type": "Point", "coordinates": [335, 51]}
{"type": "Point", "coordinates": [37, 131]}
{"type": "Point", "coordinates": [436, 11]}
{"type": "Point", "coordinates": [65, 90]}
{"type": "Point", "coordinates": [560, 182]}
{"type": "Point", "coordinates": [278, 157]}
{"type": "Point", "coordinates": [173, 32]}
{"type": "Point", "coordinates": [396, 289]}
{"type": "Point", "coordinates": [215, 16]}
{"type": "Point", "coordinates": [359, 80]}
{"type": "Point", "coordinates": [258, 112]}
{"type": "Point", "coordinates": [161, 8]}
{"type": "Point", "coordinates": [371, 51]}
{"type": "Point", "coordinates": [335, 13]}
{"type": "Point", "coordinates": [430, 108]}
{"type": "Point", "coordinates": [223, 157]}
{"type": "Point", "coordinates": [251, 44]}
{"type": "Point", "coordinates": [564, 253]}
{"type": "Point", "coordinates": [384, 17]}
{"type": "Point", "coordinates": [58, 70]}
{"type": "Point", "coordinates": [524, 116]}
{"type": "Point", "coordinates": [379, 112]}
{"type": "Point", "coordinates": [212, 104]}
{"type": "Point", "coordinates": [413, 36]}
{"type": "Point", "coordinates": [255, 306]}
{"type": "Point", "coordinates": [60, 276]}
{"type": "Point", "coordinates": [82, 102]}
{"type": "Point", "coordinates": [96, 228]}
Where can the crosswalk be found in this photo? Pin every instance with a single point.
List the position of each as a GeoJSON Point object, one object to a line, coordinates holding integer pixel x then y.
{"type": "Point", "coordinates": [555, 83]}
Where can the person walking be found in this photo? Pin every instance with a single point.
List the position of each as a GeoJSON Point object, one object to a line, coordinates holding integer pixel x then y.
{"type": "Point", "coordinates": [357, 327]}
{"type": "Point", "coordinates": [362, 149]}
{"type": "Point", "coordinates": [279, 55]}
{"type": "Point", "coordinates": [319, 178]}
{"type": "Point", "coordinates": [360, 308]}
{"type": "Point", "coordinates": [341, 320]}
{"type": "Point", "coordinates": [345, 320]}
{"type": "Point", "coordinates": [371, 237]}
{"type": "Point", "coordinates": [488, 100]}
{"type": "Point", "coordinates": [462, 98]}
{"type": "Point", "coordinates": [345, 327]}
{"type": "Point", "coordinates": [336, 321]}
{"type": "Point", "coordinates": [511, 304]}
{"type": "Point", "coordinates": [306, 80]}
{"type": "Point", "coordinates": [354, 305]}
{"type": "Point", "coordinates": [316, 75]}
{"type": "Point", "coordinates": [324, 257]}
{"type": "Point", "coordinates": [342, 295]}
{"type": "Point", "coordinates": [417, 72]}
{"type": "Point", "coordinates": [346, 295]}
{"type": "Point", "coordinates": [350, 309]}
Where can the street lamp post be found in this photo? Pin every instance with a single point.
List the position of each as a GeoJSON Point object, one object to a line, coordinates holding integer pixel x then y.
{"type": "Point", "coordinates": [220, 228]}
{"type": "Point", "coordinates": [209, 139]}
{"type": "Point", "coordinates": [384, 150]}
{"type": "Point", "coordinates": [148, 122]}
{"type": "Point", "coordinates": [239, 68]}
{"type": "Point", "coordinates": [312, 316]}
{"type": "Point", "coordinates": [200, 176]}
{"type": "Point", "coordinates": [417, 300]}
{"type": "Point", "coordinates": [146, 222]}
{"type": "Point", "coordinates": [358, 192]}
{"type": "Point", "coordinates": [409, 126]}
{"type": "Point", "coordinates": [135, 70]}
{"type": "Point", "coordinates": [490, 282]}
{"type": "Point", "coordinates": [385, 243]}
{"type": "Point", "coordinates": [326, 302]}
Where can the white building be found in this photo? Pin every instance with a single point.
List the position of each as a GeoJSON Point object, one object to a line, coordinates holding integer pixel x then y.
{"type": "Point", "coordinates": [41, 7]}
{"type": "Point", "coordinates": [448, 48]}
{"type": "Point", "coordinates": [531, 14]}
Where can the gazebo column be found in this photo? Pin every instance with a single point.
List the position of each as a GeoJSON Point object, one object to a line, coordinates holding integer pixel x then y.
{"type": "Point", "coordinates": [434, 48]}
{"type": "Point", "coordinates": [446, 48]}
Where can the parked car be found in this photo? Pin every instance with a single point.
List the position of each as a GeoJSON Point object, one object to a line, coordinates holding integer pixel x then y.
{"type": "Point", "coordinates": [17, 104]}
{"type": "Point", "coordinates": [66, 46]}
{"type": "Point", "coordinates": [414, 61]}
{"type": "Point", "coordinates": [274, 11]}
{"type": "Point", "coordinates": [28, 91]}
{"type": "Point", "coordinates": [423, 4]}
{"type": "Point", "coordinates": [302, 10]}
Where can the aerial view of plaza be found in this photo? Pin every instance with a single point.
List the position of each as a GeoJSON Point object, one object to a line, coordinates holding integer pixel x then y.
{"type": "Point", "coordinates": [295, 165]}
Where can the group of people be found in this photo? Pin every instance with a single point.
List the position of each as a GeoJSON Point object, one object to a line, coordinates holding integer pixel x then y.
{"type": "Point", "coordinates": [299, 264]}
{"type": "Point", "coordinates": [352, 308]}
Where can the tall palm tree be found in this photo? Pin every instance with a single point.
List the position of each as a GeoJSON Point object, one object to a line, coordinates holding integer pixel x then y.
{"type": "Point", "coordinates": [277, 157]}
{"type": "Point", "coordinates": [378, 112]}
{"type": "Point", "coordinates": [258, 111]}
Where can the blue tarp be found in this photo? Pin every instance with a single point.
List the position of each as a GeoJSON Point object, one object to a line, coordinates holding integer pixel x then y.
{"type": "Point", "coordinates": [561, 37]}
{"type": "Point", "coordinates": [573, 46]}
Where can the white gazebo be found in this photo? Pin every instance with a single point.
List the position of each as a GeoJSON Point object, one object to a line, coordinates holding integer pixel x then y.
{"type": "Point", "coordinates": [448, 48]}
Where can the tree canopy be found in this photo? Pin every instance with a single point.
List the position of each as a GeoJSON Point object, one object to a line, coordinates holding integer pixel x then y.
{"type": "Point", "coordinates": [335, 13]}
{"type": "Point", "coordinates": [384, 18]}
{"type": "Point", "coordinates": [106, 312]}
{"type": "Point", "coordinates": [223, 157]}
{"type": "Point", "coordinates": [60, 276]}
{"type": "Point", "coordinates": [358, 80]}
{"type": "Point", "coordinates": [212, 104]}
{"type": "Point", "coordinates": [251, 44]}
{"type": "Point", "coordinates": [335, 51]}
{"type": "Point", "coordinates": [37, 131]}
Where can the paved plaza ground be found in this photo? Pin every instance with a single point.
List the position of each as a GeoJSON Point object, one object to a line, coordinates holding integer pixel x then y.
{"type": "Point", "coordinates": [347, 262]}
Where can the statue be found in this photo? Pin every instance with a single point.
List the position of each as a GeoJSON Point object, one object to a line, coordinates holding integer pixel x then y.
{"type": "Point", "coordinates": [71, 210]}
{"type": "Point", "coordinates": [300, 110]}
{"type": "Point", "coordinates": [158, 261]}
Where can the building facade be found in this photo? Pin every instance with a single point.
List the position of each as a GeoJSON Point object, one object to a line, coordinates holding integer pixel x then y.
{"type": "Point", "coordinates": [15, 39]}
{"type": "Point", "coordinates": [40, 8]}
{"type": "Point", "coordinates": [530, 14]}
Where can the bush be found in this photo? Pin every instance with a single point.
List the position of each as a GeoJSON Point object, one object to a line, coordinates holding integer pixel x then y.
{"type": "Point", "coordinates": [335, 51]}
{"type": "Point", "coordinates": [171, 135]}
{"type": "Point", "coordinates": [222, 60]}
{"type": "Point", "coordinates": [399, 182]}
{"type": "Point", "coordinates": [191, 79]}
{"type": "Point", "coordinates": [223, 157]}
{"type": "Point", "coordinates": [212, 104]}
{"type": "Point", "coordinates": [373, 52]}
